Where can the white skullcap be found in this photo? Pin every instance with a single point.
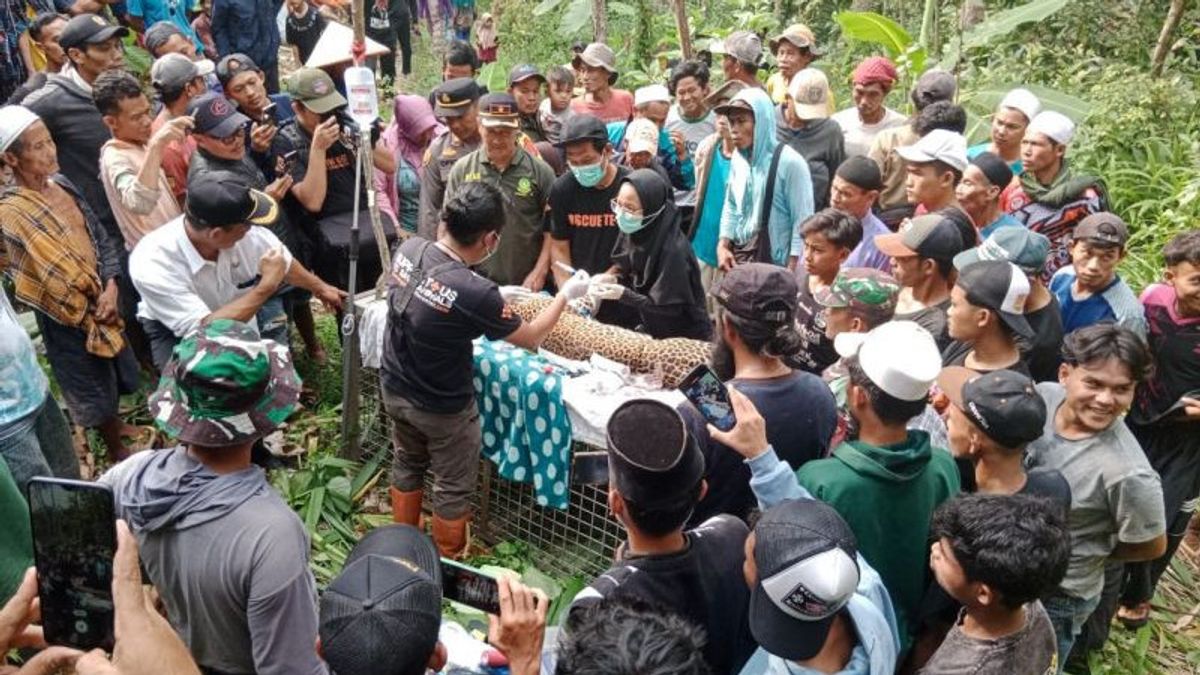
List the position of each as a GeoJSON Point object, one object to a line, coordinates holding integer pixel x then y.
{"type": "Point", "coordinates": [1023, 101]}
{"type": "Point", "coordinates": [14, 120]}
{"type": "Point", "coordinates": [1053, 125]}
{"type": "Point", "coordinates": [654, 93]}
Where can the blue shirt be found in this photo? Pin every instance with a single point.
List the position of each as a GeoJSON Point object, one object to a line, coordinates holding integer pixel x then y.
{"type": "Point", "coordinates": [976, 150]}
{"type": "Point", "coordinates": [175, 11]}
{"type": "Point", "coordinates": [708, 226]}
{"type": "Point", "coordinates": [1005, 220]}
{"type": "Point", "coordinates": [1116, 302]}
{"type": "Point", "coordinates": [866, 254]}
{"type": "Point", "coordinates": [23, 385]}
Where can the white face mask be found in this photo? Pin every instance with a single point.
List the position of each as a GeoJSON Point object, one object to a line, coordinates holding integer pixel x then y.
{"type": "Point", "coordinates": [490, 252]}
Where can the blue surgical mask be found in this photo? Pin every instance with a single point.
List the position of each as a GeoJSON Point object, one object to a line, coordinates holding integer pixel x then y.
{"type": "Point", "coordinates": [588, 175]}
{"type": "Point", "coordinates": [631, 222]}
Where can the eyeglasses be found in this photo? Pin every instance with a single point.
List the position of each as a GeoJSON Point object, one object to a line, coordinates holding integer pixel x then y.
{"type": "Point", "coordinates": [617, 208]}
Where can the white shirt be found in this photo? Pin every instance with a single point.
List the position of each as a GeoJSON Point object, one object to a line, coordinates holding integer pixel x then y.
{"type": "Point", "coordinates": [858, 135]}
{"type": "Point", "coordinates": [179, 287]}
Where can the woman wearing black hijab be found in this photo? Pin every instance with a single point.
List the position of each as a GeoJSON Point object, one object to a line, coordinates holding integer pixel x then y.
{"type": "Point", "coordinates": [658, 273]}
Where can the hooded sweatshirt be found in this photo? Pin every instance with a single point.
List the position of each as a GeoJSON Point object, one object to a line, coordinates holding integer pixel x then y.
{"type": "Point", "coordinates": [887, 495]}
{"type": "Point", "coordinates": [412, 116]}
{"type": "Point", "coordinates": [229, 558]}
{"type": "Point", "coordinates": [792, 201]}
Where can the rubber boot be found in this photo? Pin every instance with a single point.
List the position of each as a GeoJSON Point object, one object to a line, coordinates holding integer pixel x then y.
{"type": "Point", "coordinates": [406, 507]}
{"type": "Point", "coordinates": [451, 536]}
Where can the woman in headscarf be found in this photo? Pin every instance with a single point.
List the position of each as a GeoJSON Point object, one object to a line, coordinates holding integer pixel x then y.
{"type": "Point", "coordinates": [657, 272]}
{"type": "Point", "coordinates": [413, 127]}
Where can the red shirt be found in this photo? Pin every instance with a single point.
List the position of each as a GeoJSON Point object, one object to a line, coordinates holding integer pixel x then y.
{"type": "Point", "coordinates": [619, 107]}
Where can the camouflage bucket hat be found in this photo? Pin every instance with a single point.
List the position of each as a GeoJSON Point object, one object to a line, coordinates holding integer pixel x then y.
{"type": "Point", "coordinates": [865, 290]}
{"type": "Point", "coordinates": [225, 385]}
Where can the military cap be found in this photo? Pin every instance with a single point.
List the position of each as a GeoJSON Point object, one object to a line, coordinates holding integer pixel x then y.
{"type": "Point", "coordinates": [454, 97]}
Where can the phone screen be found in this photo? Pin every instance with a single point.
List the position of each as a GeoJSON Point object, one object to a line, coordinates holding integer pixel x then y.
{"type": "Point", "coordinates": [470, 587]}
{"type": "Point", "coordinates": [589, 468]}
{"type": "Point", "coordinates": [268, 114]}
{"type": "Point", "coordinates": [707, 393]}
{"type": "Point", "coordinates": [74, 541]}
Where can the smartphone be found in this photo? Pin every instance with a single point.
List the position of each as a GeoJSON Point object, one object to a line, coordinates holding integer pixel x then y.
{"type": "Point", "coordinates": [470, 587]}
{"type": "Point", "coordinates": [74, 541]}
{"type": "Point", "coordinates": [589, 468]}
{"type": "Point", "coordinates": [268, 114]}
{"type": "Point", "coordinates": [289, 161]}
{"type": "Point", "coordinates": [705, 391]}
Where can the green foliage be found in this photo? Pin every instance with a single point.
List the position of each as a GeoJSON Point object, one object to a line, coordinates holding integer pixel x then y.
{"type": "Point", "coordinates": [1006, 21]}
{"type": "Point", "coordinates": [516, 556]}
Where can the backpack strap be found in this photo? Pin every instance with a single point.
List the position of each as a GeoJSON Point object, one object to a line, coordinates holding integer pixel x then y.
{"type": "Point", "coordinates": [764, 214]}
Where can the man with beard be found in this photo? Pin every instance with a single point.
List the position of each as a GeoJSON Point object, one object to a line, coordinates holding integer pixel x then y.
{"type": "Point", "coordinates": [755, 333]}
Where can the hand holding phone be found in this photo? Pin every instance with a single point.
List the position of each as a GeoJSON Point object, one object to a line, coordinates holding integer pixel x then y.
{"type": "Point", "coordinates": [470, 587]}
{"type": "Point", "coordinates": [268, 115]}
{"type": "Point", "coordinates": [705, 391]}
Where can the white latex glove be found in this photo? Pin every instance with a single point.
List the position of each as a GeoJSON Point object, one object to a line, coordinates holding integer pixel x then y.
{"type": "Point", "coordinates": [606, 291]}
{"type": "Point", "coordinates": [575, 287]}
{"type": "Point", "coordinates": [604, 278]}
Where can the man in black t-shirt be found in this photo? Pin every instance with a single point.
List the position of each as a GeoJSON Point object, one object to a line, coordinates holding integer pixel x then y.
{"type": "Point", "coordinates": [922, 254]}
{"type": "Point", "coordinates": [987, 317]}
{"type": "Point", "coordinates": [302, 28]}
{"type": "Point", "coordinates": [437, 305]}
{"type": "Point", "coordinates": [656, 476]}
{"type": "Point", "coordinates": [583, 227]}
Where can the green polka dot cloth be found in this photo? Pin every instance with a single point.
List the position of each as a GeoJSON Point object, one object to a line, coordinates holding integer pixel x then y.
{"type": "Point", "coordinates": [526, 429]}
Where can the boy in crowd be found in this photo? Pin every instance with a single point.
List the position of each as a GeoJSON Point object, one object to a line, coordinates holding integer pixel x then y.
{"type": "Point", "coordinates": [888, 464]}
{"type": "Point", "coordinates": [626, 635]}
{"type": "Point", "coordinates": [689, 122]}
{"type": "Point", "coordinates": [855, 188]}
{"type": "Point", "coordinates": [923, 262]}
{"type": "Point", "coordinates": [656, 477]}
{"type": "Point", "coordinates": [986, 318]}
{"type": "Point", "coordinates": [525, 86]}
{"type": "Point", "coordinates": [1089, 290]}
{"type": "Point", "coordinates": [935, 165]}
{"type": "Point", "coordinates": [997, 554]}
{"type": "Point", "coordinates": [829, 237]}
{"type": "Point", "coordinates": [1165, 416]}
{"type": "Point", "coordinates": [1027, 250]}
{"type": "Point", "coordinates": [978, 193]}
{"type": "Point", "coordinates": [1116, 497]}
{"type": "Point", "coordinates": [555, 109]}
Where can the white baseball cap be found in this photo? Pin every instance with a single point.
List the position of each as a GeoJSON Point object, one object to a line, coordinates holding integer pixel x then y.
{"type": "Point", "coordinates": [654, 93]}
{"type": "Point", "coordinates": [14, 120]}
{"type": "Point", "coordinates": [1053, 125]}
{"type": "Point", "coordinates": [641, 136]}
{"type": "Point", "coordinates": [939, 145]}
{"type": "Point", "coordinates": [900, 357]}
{"type": "Point", "coordinates": [809, 90]}
{"type": "Point", "coordinates": [1023, 101]}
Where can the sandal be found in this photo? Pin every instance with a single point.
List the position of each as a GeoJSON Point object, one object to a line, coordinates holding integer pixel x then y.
{"type": "Point", "coordinates": [1134, 617]}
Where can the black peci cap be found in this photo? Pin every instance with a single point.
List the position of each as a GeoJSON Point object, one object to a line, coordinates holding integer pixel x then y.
{"type": "Point", "coordinates": [652, 458]}
{"type": "Point", "coordinates": [223, 198]}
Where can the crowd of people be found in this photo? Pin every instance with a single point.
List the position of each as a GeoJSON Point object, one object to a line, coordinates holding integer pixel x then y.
{"type": "Point", "coordinates": [962, 444]}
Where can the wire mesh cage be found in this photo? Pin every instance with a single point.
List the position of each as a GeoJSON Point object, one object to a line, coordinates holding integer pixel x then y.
{"type": "Point", "coordinates": [579, 540]}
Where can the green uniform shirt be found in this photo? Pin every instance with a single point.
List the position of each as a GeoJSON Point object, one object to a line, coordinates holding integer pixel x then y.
{"type": "Point", "coordinates": [526, 188]}
{"type": "Point", "coordinates": [440, 157]}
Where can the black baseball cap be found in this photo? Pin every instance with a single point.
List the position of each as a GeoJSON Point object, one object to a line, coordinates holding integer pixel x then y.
{"type": "Point", "coordinates": [1000, 286]}
{"type": "Point", "coordinates": [583, 128]}
{"type": "Point", "coordinates": [652, 459]}
{"type": "Point", "coordinates": [759, 292]}
{"type": "Point", "coordinates": [524, 71]}
{"type": "Point", "coordinates": [929, 236]}
{"type": "Point", "coordinates": [453, 98]}
{"type": "Point", "coordinates": [383, 612]}
{"type": "Point", "coordinates": [216, 116]}
{"type": "Point", "coordinates": [88, 29]}
{"type": "Point", "coordinates": [1103, 228]}
{"type": "Point", "coordinates": [232, 65]}
{"type": "Point", "coordinates": [223, 198]}
{"type": "Point", "coordinates": [807, 560]}
{"type": "Point", "coordinates": [1004, 404]}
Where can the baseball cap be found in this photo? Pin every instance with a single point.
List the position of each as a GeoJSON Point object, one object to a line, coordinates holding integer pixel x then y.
{"type": "Point", "coordinates": [652, 458]}
{"type": "Point", "coordinates": [1053, 125]}
{"type": "Point", "coordinates": [807, 561]}
{"type": "Point", "coordinates": [216, 116]}
{"type": "Point", "coordinates": [390, 587]}
{"type": "Point", "coordinates": [222, 198]}
{"type": "Point", "coordinates": [742, 45]}
{"type": "Point", "coordinates": [1000, 286]}
{"type": "Point", "coordinates": [641, 136]}
{"type": "Point", "coordinates": [88, 29]}
{"type": "Point", "coordinates": [583, 128]}
{"type": "Point", "coordinates": [315, 90]}
{"type": "Point", "coordinates": [651, 93]}
{"type": "Point", "coordinates": [598, 55]}
{"type": "Point", "coordinates": [809, 90]}
{"type": "Point", "coordinates": [940, 145]}
{"type": "Point", "coordinates": [865, 290]}
{"type": "Point", "coordinates": [929, 236]}
{"type": "Point", "coordinates": [499, 109]}
{"type": "Point", "coordinates": [759, 292]}
{"type": "Point", "coordinates": [453, 98]}
{"type": "Point", "coordinates": [1017, 245]}
{"type": "Point", "coordinates": [175, 70]}
{"type": "Point", "coordinates": [724, 93]}
{"type": "Point", "coordinates": [1103, 228]}
{"type": "Point", "coordinates": [225, 385]}
{"type": "Point", "coordinates": [908, 378]}
{"type": "Point", "coordinates": [1023, 101]}
{"type": "Point", "coordinates": [1003, 404]}
{"type": "Point", "coordinates": [524, 71]}
{"type": "Point", "coordinates": [737, 103]}
{"type": "Point", "coordinates": [230, 66]}
{"type": "Point", "coordinates": [800, 35]}
{"type": "Point", "coordinates": [14, 120]}
{"type": "Point", "coordinates": [861, 171]}
{"type": "Point", "coordinates": [934, 85]}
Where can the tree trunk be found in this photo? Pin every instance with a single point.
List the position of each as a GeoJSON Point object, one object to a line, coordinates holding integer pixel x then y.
{"type": "Point", "coordinates": [681, 25]}
{"type": "Point", "coordinates": [1163, 46]}
{"type": "Point", "coordinates": [599, 21]}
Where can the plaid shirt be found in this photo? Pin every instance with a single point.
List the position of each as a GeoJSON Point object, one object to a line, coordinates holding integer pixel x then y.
{"type": "Point", "coordinates": [36, 253]}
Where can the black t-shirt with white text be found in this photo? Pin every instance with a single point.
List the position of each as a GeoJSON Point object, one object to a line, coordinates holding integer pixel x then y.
{"type": "Point", "coordinates": [817, 352]}
{"type": "Point", "coordinates": [339, 169]}
{"type": "Point", "coordinates": [304, 32]}
{"type": "Point", "coordinates": [427, 354]}
{"type": "Point", "coordinates": [584, 217]}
